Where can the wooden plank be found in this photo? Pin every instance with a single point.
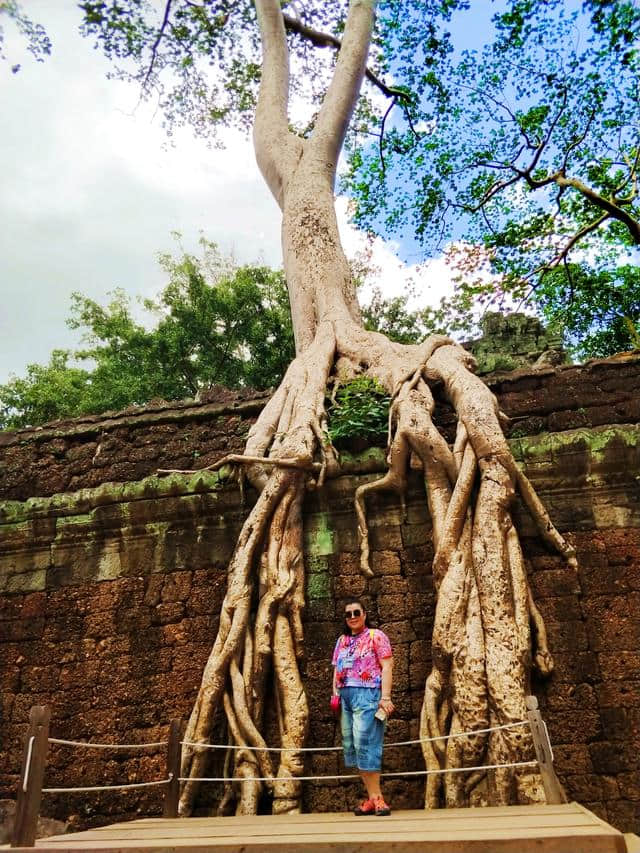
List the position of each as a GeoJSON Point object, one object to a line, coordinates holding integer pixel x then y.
{"type": "Point", "coordinates": [374, 826]}
{"type": "Point", "coordinates": [632, 841]}
{"type": "Point", "coordinates": [490, 813]}
{"type": "Point", "coordinates": [435, 838]}
{"type": "Point", "coordinates": [364, 844]}
{"type": "Point", "coordinates": [515, 829]}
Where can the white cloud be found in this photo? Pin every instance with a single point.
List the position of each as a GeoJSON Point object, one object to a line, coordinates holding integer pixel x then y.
{"type": "Point", "coordinates": [429, 280]}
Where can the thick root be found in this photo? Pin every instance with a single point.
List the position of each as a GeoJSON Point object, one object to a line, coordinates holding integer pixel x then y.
{"type": "Point", "coordinates": [485, 614]}
{"type": "Point", "coordinates": [247, 648]}
{"type": "Point", "coordinates": [482, 638]}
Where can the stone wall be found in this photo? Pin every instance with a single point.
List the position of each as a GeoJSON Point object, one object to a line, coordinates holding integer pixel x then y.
{"type": "Point", "coordinates": [110, 591]}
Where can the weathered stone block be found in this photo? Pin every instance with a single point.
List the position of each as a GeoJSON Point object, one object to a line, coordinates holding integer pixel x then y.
{"type": "Point", "coordinates": [385, 563]}
{"type": "Point", "coordinates": [620, 665]}
{"type": "Point", "coordinates": [614, 694]}
{"type": "Point", "coordinates": [607, 758]}
{"type": "Point", "coordinates": [614, 634]}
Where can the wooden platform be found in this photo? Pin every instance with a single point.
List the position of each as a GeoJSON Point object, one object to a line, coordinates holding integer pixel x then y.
{"type": "Point", "coordinates": [514, 829]}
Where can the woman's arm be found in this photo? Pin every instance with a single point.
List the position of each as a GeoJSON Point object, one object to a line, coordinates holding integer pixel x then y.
{"type": "Point", "coordinates": [334, 688]}
{"type": "Point", "coordinates": [385, 702]}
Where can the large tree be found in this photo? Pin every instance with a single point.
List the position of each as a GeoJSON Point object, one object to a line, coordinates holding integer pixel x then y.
{"type": "Point", "coordinates": [483, 641]}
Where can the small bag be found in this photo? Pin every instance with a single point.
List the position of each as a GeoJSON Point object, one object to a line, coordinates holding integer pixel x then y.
{"type": "Point", "coordinates": [335, 705]}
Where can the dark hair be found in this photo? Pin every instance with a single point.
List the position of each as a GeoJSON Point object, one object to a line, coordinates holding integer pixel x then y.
{"type": "Point", "coordinates": [354, 600]}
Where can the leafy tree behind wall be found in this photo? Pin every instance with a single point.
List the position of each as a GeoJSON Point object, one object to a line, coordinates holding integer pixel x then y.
{"type": "Point", "coordinates": [214, 323]}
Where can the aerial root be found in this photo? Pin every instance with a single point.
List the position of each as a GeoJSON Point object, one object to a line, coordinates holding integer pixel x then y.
{"type": "Point", "coordinates": [484, 602]}
{"type": "Point", "coordinates": [266, 569]}
{"type": "Point", "coordinates": [240, 459]}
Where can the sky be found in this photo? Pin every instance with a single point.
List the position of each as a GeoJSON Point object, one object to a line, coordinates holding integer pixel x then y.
{"type": "Point", "coordinates": [90, 193]}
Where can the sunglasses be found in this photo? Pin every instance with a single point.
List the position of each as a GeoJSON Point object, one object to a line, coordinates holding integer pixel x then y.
{"type": "Point", "coordinates": [352, 614]}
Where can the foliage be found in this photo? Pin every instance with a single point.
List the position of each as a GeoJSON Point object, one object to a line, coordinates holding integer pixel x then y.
{"type": "Point", "coordinates": [37, 40]}
{"type": "Point", "coordinates": [213, 323]}
{"type": "Point", "coordinates": [392, 316]}
{"type": "Point", "coordinates": [528, 148]}
{"type": "Point", "coordinates": [47, 392]}
{"type": "Point", "coordinates": [606, 317]}
{"type": "Point", "coordinates": [358, 409]}
{"type": "Point", "coordinates": [200, 62]}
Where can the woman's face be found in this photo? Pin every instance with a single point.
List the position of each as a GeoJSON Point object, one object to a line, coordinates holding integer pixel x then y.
{"type": "Point", "coordinates": [355, 617]}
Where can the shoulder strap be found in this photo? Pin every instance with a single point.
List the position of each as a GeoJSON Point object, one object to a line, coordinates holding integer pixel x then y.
{"type": "Point", "coordinates": [372, 633]}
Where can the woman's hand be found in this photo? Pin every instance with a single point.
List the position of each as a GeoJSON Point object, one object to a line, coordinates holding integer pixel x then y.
{"type": "Point", "coordinates": [387, 705]}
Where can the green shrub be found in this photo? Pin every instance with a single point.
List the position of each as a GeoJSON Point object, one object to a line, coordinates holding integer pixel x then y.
{"type": "Point", "coordinates": [360, 411]}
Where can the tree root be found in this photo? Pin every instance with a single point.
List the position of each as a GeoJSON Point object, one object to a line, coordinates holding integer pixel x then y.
{"type": "Point", "coordinates": [482, 640]}
{"type": "Point", "coordinates": [483, 643]}
{"type": "Point", "coordinates": [260, 627]}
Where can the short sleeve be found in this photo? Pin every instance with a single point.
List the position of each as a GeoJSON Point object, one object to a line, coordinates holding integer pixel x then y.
{"type": "Point", "coordinates": [382, 644]}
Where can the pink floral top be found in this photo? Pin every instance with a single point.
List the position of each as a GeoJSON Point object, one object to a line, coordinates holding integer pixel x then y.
{"type": "Point", "coordinates": [357, 659]}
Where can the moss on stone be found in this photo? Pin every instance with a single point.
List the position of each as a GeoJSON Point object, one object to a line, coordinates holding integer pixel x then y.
{"type": "Point", "coordinates": [83, 501]}
{"type": "Point", "coordinates": [319, 536]}
{"type": "Point", "coordinates": [318, 586]}
{"type": "Point", "coordinates": [594, 441]}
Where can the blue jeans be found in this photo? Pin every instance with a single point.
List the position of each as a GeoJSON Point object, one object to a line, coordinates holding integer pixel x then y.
{"type": "Point", "coordinates": [362, 734]}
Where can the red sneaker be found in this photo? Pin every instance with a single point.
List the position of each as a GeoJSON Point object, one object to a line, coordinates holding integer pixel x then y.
{"type": "Point", "coordinates": [380, 807]}
{"type": "Point", "coordinates": [365, 808]}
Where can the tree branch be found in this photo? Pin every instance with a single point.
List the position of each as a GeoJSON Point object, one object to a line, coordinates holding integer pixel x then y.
{"type": "Point", "coordinates": [344, 89]}
{"type": "Point", "coordinates": [275, 145]}
{"type": "Point", "coordinates": [240, 459]}
{"type": "Point", "coordinates": [320, 39]}
{"type": "Point", "coordinates": [156, 44]}
{"type": "Point", "coordinates": [611, 209]}
{"type": "Point", "coordinates": [381, 135]}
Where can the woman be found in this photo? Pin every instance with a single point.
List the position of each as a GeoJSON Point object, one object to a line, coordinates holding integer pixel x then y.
{"type": "Point", "coordinates": [362, 677]}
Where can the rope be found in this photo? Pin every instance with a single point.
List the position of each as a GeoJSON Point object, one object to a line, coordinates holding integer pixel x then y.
{"type": "Point", "coordinates": [339, 748]}
{"type": "Point", "coordinates": [107, 745]}
{"type": "Point", "coordinates": [357, 776]}
{"type": "Point", "coordinates": [108, 787]}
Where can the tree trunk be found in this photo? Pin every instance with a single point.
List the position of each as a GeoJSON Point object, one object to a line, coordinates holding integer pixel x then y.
{"type": "Point", "coordinates": [482, 647]}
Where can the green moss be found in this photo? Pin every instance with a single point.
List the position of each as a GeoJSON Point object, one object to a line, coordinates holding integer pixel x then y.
{"type": "Point", "coordinates": [595, 441]}
{"type": "Point", "coordinates": [319, 536]}
{"type": "Point", "coordinates": [82, 502]}
{"type": "Point", "coordinates": [318, 586]}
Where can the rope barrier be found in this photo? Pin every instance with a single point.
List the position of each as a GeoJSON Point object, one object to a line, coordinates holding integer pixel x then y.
{"type": "Point", "coordinates": [87, 745]}
{"type": "Point", "coordinates": [470, 733]}
{"type": "Point", "coordinates": [107, 787]}
{"type": "Point", "coordinates": [357, 776]}
{"type": "Point", "coordinates": [339, 748]}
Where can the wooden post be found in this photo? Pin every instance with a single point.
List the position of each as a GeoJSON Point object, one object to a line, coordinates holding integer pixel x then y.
{"type": "Point", "coordinates": [553, 790]}
{"type": "Point", "coordinates": [31, 778]}
{"type": "Point", "coordinates": [172, 790]}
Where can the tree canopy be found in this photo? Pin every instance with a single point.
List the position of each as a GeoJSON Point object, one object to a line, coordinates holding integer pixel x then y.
{"type": "Point", "coordinates": [213, 323]}
{"type": "Point", "coordinates": [527, 146]}
{"type": "Point", "coordinates": [511, 127]}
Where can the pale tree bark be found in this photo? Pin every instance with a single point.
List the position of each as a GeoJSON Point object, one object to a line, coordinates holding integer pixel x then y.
{"type": "Point", "coordinates": [482, 643]}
